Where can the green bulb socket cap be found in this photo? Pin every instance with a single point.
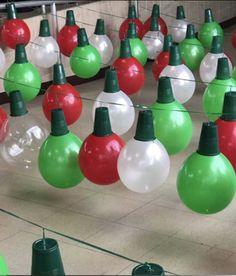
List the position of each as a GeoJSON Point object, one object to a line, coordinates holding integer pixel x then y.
{"type": "Point", "coordinates": [132, 32]}
{"type": "Point", "coordinates": [145, 129]}
{"type": "Point", "coordinates": [111, 81]}
{"type": "Point", "coordinates": [17, 105]}
{"type": "Point", "coordinates": [190, 33]}
{"type": "Point", "coordinates": [125, 49]}
{"type": "Point", "coordinates": [229, 107]}
{"type": "Point", "coordinates": [155, 11]}
{"type": "Point", "coordinates": [11, 11]}
{"type": "Point", "coordinates": [148, 269]}
{"type": "Point", "coordinates": [20, 54]}
{"type": "Point", "coordinates": [82, 37]}
{"type": "Point", "coordinates": [175, 55]}
{"type": "Point", "coordinates": [46, 258]}
{"type": "Point", "coordinates": [58, 123]}
{"type": "Point", "coordinates": [132, 12]}
{"type": "Point", "coordinates": [209, 144]}
{"type": "Point", "coordinates": [164, 91]}
{"type": "Point", "coordinates": [70, 18]}
{"type": "Point", "coordinates": [102, 125]}
{"type": "Point", "coordinates": [44, 30]}
{"type": "Point", "coordinates": [168, 41]}
{"type": "Point", "coordinates": [180, 13]}
{"type": "Point", "coordinates": [208, 16]}
{"type": "Point", "coordinates": [154, 24]}
{"type": "Point", "coordinates": [59, 76]}
{"type": "Point", "coordinates": [100, 27]}
{"type": "Point", "coordinates": [216, 46]}
{"type": "Point", "coordinates": [222, 72]}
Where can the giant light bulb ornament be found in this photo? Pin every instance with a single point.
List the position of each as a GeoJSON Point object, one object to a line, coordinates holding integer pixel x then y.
{"type": "Point", "coordinates": [191, 49]}
{"type": "Point", "coordinates": [209, 29]}
{"type": "Point", "coordinates": [182, 79]}
{"type": "Point", "coordinates": [162, 60]}
{"type": "Point", "coordinates": [227, 128]}
{"type": "Point", "coordinates": [153, 39]}
{"type": "Point", "coordinates": [161, 23]}
{"type": "Point", "coordinates": [100, 151]}
{"type": "Point", "coordinates": [213, 96]}
{"type": "Point", "coordinates": [61, 94]}
{"type": "Point", "coordinates": [121, 111]}
{"type": "Point", "coordinates": [57, 159]}
{"type": "Point", "coordinates": [14, 30]}
{"type": "Point", "coordinates": [22, 75]}
{"type": "Point", "coordinates": [44, 51]}
{"type": "Point", "coordinates": [130, 71]}
{"type": "Point", "coordinates": [143, 163]}
{"type": "Point", "coordinates": [25, 136]}
{"type": "Point", "coordinates": [178, 27]}
{"type": "Point", "coordinates": [85, 60]}
{"type": "Point", "coordinates": [172, 128]}
{"type": "Point", "coordinates": [206, 182]}
{"type": "Point", "coordinates": [208, 64]}
{"type": "Point", "coordinates": [69, 34]}
{"type": "Point", "coordinates": [2, 60]}
{"type": "Point", "coordinates": [102, 42]}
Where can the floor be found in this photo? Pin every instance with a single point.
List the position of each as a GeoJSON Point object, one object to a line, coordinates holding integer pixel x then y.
{"type": "Point", "coordinates": [152, 227]}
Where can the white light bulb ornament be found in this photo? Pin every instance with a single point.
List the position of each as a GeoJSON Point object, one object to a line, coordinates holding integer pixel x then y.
{"type": "Point", "coordinates": [102, 42]}
{"type": "Point", "coordinates": [178, 27]}
{"type": "Point", "coordinates": [44, 51]}
{"type": "Point", "coordinates": [25, 136]}
{"type": "Point", "coordinates": [182, 79]}
{"type": "Point", "coordinates": [208, 64]}
{"type": "Point", "coordinates": [153, 39]}
{"type": "Point", "coordinates": [143, 164]}
{"type": "Point", "coordinates": [2, 60]}
{"type": "Point", "coordinates": [121, 110]}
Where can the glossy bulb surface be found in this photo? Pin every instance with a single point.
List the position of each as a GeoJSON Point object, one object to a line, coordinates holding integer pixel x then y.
{"type": "Point", "coordinates": [160, 63]}
{"type": "Point", "coordinates": [207, 31]}
{"type": "Point", "coordinates": [153, 40]}
{"type": "Point", "coordinates": [178, 29]}
{"type": "Point", "coordinates": [139, 50]}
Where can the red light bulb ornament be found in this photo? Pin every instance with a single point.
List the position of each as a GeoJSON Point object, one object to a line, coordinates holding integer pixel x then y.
{"type": "Point", "coordinates": [23, 76]}
{"type": "Point", "coordinates": [161, 22]}
{"type": "Point", "coordinates": [14, 30]}
{"type": "Point", "coordinates": [191, 49]}
{"type": "Point", "coordinates": [162, 60]}
{"type": "Point", "coordinates": [132, 17]}
{"type": "Point", "coordinates": [57, 159]}
{"type": "Point", "coordinates": [143, 163]}
{"type": "Point", "coordinates": [130, 71]}
{"type": "Point", "coordinates": [227, 128]}
{"type": "Point", "coordinates": [206, 182]}
{"type": "Point", "coordinates": [208, 64]}
{"type": "Point", "coordinates": [68, 33]}
{"type": "Point", "coordinates": [153, 39]}
{"type": "Point", "coordinates": [4, 124]}
{"type": "Point", "coordinates": [182, 79]}
{"type": "Point", "coordinates": [172, 128]}
{"type": "Point", "coordinates": [100, 151]}
{"type": "Point", "coordinates": [213, 97]}
{"type": "Point", "coordinates": [61, 94]}
{"type": "Point", "coordinates": [209, 29]}
{"type": "Point", "coordinates": [85, 60]}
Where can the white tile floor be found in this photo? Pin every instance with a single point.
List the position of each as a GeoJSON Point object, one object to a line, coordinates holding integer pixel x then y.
{"type": "Point", "coordinates": [154, 227]}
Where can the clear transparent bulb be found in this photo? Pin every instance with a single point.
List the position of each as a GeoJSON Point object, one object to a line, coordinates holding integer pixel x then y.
{"type": "Point", "coordinates": [2, 60]}
{"type": "Point", "coordinates": [44, 52]}
{"type": "Point", "coordinates": [182, 81]}
{"type": "Point", "coordinates": [121, 113]}
{"type": "Point", "coordinates": [153, 40]}
{"type": "Point", "coordinates": [178, 29]}
{"type": "Point", "coordinates": [208, 66]}
{"type": "Point", "coordinates": [104, 46]}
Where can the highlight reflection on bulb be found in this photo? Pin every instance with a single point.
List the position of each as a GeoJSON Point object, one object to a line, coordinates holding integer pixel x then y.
{"type": "Point", "coordinates": [153, 40]}
{"type": "Point", "coordinates": [178, 29]}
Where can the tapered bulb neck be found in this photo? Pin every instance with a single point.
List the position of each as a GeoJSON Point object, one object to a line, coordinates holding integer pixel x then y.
{"type": "Point", "coordinates": [132, 32]}
{"type": "Point", "coordinates": [180, 13]}
{"type": "Point", "coordinates": [175, 55]}
{"type": "Point", "coordinates": [229, 107]}
{"type": "Point", "coordinates": [20, 54]}
{"type": "Point", "coordinates": [59, 76]}
{"type": "Point", "coordinates": [145, 128]}
{"type": "Point", "coordinates": [154, 24]}
{"type": "Point", "coordinates": [208, 16]}
{"type": "Point", "coordinates": [58, 123]}
{"type": "Point", "coordinates": [100, 27]}
{"type": "Point", "coordinates": [168, 42]}
{"type": "Point", "coordinates": [44, 30]}
{"type": "Point", "coordinates": [70, 18]}
{"type": "Point", "coordinates": [17, 105]}
{"type": "Point", "coordinates": [222, 72]}
{"type": "Point", "coordinates": [82, 38]}
{"type": "Point", "coordinates": [164, 91]}
{"type": "Point", "coordinates": [190, 33]}
{"type": "Point", "coordinates": [11, 11]}
{"type": "Point", "coordinates": [125, 49]}
{"type": "Point", "coordinates": [216, 46]}
{"type": "Point", "coordinates": [155, 11]}
{"type": "Point", "coordinates": [102, 125]}
{"type": "Point", "coordinates": [132, 12]}
{"type": "Point", "coordinates": [111, 81]}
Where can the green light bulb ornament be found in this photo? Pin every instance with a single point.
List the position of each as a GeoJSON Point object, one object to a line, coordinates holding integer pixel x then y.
{"type": "Point", "coordinates": [172, 128]}
{"type": "Point", "coordinates": [85, 60]}
{"type": "Point", "coordinates": [58, 155]}
{"type": "Point", "coordinates": [206, 182]}
{"type": "Point", "coordinates": [22, 76]}
{"type": "Point", "coordinates": [209, 29]}
{"type": "Point", "coordinates": [191, 49]}
{"type": "Point", "coordinates": [3, 267]}
{"type": "Point", "coordinates": [213, 97]}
